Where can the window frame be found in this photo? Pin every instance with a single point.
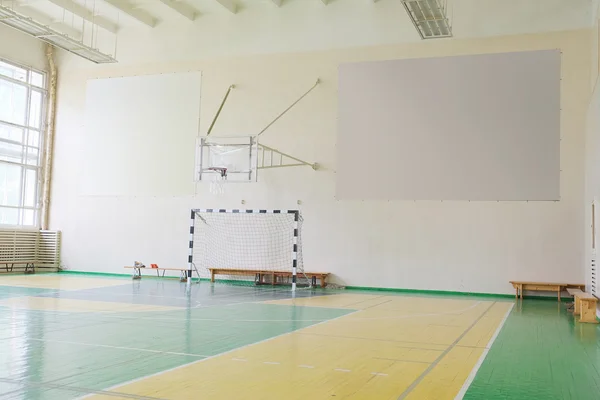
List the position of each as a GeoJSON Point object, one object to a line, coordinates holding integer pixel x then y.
{"type": "Point", "coordinates": [25, 144]}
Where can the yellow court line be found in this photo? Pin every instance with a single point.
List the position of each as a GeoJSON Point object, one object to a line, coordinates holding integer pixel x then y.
{"type": "Point", "coordinates": [59, 282]}
{"type": "Point", "coordinates": [377, 353]}
{"type": "Point", "coordinates": [74, 305]}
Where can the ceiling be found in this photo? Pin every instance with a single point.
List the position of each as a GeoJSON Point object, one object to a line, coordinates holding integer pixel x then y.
{"type": "Point", "coordinates": [285, 25]}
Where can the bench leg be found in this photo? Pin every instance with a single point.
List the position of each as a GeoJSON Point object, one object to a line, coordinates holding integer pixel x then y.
{"type": "Point", "coordinates": [212, 276]}
{"type": "Point", "coordinates": [588, 312]}
{"type": "Point", "coordinates": [323, 283]}
{"type": "Point", "coordinates": [559, 294]}
{"type": "Point", "coordinates": [521, 291]}
{"type": "Point", "coordinates": [28, 267]}
{"type": "Point", "coordinates": [137, 274]}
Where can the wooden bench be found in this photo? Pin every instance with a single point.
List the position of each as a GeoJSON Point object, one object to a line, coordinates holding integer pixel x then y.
{"type": "Point", "coordinates": [137, 271]}
{"type": "Point", "coordinates": [543, 287]}
{"type": "Point", "coordinates": [585, 306]}
{"type": "Point", "coordinates": [260, 275]}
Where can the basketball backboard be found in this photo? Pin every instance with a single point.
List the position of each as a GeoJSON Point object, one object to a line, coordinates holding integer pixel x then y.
{"type": "Point", "coordinates": [234, 156]}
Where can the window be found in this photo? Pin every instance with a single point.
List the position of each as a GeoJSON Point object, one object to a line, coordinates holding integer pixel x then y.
{"type": "Point", "coordinates": [22, 105]}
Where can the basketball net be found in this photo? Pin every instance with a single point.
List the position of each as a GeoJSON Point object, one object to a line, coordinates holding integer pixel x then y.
{"type": "Point", "coordinates": [217, 184]}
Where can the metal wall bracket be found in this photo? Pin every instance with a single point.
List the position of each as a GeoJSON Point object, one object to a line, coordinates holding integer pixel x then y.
{"type": "Point", "coordinates": [273, 158]}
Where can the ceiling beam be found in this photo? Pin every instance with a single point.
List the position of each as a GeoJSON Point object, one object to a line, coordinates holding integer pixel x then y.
{"type": "Point", "coordinates": [182, 8]}
{"type": "Point", "coordinates": [140, 15]}
{"type": "Point", "coordinates": [278, 3]}
{"type": "Point", "coordinates": [228, 4]}
{"type": "Point", "coordinates": [325, 1]}
{"type": "Point", "coordinates": [44, 19]}
{"type": "Point", "coordinates": [86, 14]}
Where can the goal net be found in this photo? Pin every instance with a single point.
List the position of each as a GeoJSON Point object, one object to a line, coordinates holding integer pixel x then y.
{"type": "Point", "coordinates": [249, 247]}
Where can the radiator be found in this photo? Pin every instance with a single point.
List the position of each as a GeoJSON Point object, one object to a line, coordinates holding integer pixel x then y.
{"type": "Point", "coordinates": [594, 277]}
{"type": "Point", "coordinates": [21, 246]}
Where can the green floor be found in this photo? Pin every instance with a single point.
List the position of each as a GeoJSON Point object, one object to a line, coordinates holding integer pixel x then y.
{"type": "Point", "coordinates": [540, 353]}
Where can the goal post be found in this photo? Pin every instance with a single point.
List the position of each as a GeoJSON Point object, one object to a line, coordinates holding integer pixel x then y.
{"type": "Point", "coordinates": [253, 247]}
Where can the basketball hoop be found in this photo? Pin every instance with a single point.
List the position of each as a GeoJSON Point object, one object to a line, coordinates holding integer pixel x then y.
{"type": "Point", "coordinates": [217, 184]}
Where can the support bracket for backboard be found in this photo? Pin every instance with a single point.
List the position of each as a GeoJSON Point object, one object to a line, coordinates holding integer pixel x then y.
{"type": "Point", "coordinates": [273, 158]}
{"type": "Point", "coordinates": [214, 121]}
{"type": "Point", "coordinates": [289, 108]}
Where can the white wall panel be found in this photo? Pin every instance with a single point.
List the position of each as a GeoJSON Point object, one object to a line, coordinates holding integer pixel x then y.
{"type": "Point", "coordinates": [142, 128]}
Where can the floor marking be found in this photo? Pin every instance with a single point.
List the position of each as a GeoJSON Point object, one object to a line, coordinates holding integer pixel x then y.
{"type": "Point", "coordinates": [342, 370]}
{"type": "Point", "coordinates": [211, 357]}
{"type": "Point", "coordinates": [117, 347]}
{"type": "Point", "coordinates": [154, 318]}
{"type": "Point", "coordinates": [89, 392]}
{"type": "Point", "coordinates": [305, 366]}
{"type": "Point", "coordinates": [377, 305]}
{"type": "Point", "coordinates": [362, 301]}
{"type": "Point", "coordinates": [408, 361]}
{"type": "Point", "coordinates": [463, 390]}
{"type": "Point", "coordinates": [239, 359]}
{"type": "Point", "coordinates": [381, 340]}
{"type": "Point", "coordinates": [378, 374]}
{"type": "Point", "coordinates": [271, 362]}
{"type": "Point", "coordinates": [460, 311]}
{"type": "Point", "coordinates": [420, 378]}
{"type": "Point", "coordinates": [472, 347]}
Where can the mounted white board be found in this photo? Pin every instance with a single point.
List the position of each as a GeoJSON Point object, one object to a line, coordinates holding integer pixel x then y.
{"type": "Point", "coordinates": [139, 135]}
{"type": "Point", "coordinates": [480, 127]}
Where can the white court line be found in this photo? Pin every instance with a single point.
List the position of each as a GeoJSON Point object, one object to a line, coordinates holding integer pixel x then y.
{"type": "Point", "coordinates": [471, 377]}
{"type": "Point", "coordinates": [378, 374]}
{"type": "Point", "coordinates": [271, 362]}
{"type": "Point", "coordinates": [305, 366]}
{"type": "Point", "coordinates": [209, 358]}
{"type": "Point", "coordinates": [342, 370]}
{"type": "Point", "coordinates": [116, 347]}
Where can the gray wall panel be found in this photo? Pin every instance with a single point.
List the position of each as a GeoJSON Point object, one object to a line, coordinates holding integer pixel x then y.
{"type": "Point", "coordinates": [480, 127]}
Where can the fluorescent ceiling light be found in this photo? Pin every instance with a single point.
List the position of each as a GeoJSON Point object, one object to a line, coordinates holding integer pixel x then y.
{"type": "Point", "coordinates": [27, 25]}
{"type": "Point", "coordinates": [429, 17]}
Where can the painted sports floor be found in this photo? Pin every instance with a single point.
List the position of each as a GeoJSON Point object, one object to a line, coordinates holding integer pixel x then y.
{"type": "Point", "coordinates": [66, 336]}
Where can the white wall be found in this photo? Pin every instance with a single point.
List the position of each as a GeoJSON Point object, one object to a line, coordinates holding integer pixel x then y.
{"type": "Point", "coordinates": [23, 49]}
{"type": "Point", "coordinates": [464, 246]}
{"type": "Point", "coordinates": [592, 151]}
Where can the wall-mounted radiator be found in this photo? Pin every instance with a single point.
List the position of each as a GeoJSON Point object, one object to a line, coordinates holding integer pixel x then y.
{"type": "Point", "coordinates": [594, 277]}
{"type": "Point", "coordinates": [21, 247]}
